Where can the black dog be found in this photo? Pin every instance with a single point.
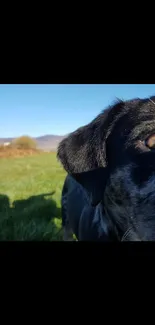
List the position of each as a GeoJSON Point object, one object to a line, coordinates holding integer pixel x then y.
{"type": "Point", "coordinates": [109, 193]}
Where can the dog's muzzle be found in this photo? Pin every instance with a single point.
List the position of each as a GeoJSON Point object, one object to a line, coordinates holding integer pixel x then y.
{"type": "Point", "coordinates": [130, 235]}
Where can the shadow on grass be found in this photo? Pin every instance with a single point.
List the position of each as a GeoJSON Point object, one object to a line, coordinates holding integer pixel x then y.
{"type": "Point", "coordinates": [36, 218]}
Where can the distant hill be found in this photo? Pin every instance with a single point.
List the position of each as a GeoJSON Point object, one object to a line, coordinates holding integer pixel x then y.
{"type": "Point", "coordinates": [45, 142]}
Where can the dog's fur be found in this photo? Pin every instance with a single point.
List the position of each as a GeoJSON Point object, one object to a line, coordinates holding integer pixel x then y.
{"type": "Point", "coordinates": [109, 192]}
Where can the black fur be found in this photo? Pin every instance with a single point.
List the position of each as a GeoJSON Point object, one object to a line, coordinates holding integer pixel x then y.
{"type": "Point", "coordinates": [109, 162]}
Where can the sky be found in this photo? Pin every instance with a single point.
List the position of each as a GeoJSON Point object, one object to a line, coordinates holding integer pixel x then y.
{"type": "Point", "coordinates": [37, 110]}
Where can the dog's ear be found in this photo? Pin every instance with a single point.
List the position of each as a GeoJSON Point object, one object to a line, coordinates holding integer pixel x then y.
{"type": "Point", "coordinates": [85, 151]}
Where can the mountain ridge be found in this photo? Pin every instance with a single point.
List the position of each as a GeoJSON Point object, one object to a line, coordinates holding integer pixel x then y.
{"type": "Point", "coordinates": [47, 142]}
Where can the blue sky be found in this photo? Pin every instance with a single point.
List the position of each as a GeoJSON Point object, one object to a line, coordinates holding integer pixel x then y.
{"type": "Point", "coordinates": [58, 109]}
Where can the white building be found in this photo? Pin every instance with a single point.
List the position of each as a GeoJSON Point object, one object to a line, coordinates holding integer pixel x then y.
{"type": "Point", "coordinates": [5, 144]}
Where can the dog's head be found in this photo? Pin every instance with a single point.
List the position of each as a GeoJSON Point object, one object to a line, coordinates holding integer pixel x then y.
{"type": "Point", "coordinates": [113, 158]}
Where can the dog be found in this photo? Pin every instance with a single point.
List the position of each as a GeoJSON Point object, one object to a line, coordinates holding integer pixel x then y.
{"type": "Point", "coordinates": [109, 190]}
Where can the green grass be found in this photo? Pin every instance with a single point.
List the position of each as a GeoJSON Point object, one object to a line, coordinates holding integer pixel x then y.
{"type": "Point", "coordinates": [30, 193]}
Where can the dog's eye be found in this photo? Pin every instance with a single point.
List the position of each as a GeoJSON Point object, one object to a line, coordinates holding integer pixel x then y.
{"type": "Point", "coordinates": [150, 142]}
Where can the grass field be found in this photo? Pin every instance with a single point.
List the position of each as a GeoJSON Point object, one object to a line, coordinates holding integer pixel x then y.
{"type": "Point", "coordinates": [30, 192]}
